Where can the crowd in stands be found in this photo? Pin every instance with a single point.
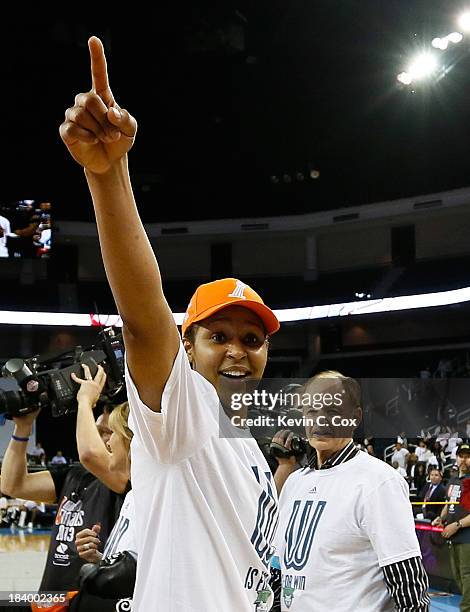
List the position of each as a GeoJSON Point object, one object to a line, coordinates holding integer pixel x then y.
{"type": "Point", "coordinates": [427, 464]}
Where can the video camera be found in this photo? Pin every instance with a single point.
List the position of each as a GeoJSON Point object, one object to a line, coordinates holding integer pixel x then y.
{"type": "Point", "coordinates": [45, 382]}
{"type": "Point", "coordinates": [298, 448]}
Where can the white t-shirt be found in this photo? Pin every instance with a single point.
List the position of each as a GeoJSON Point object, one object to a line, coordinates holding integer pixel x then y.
{"type": "Point", "coordinates": [205, 505]}
{"type": "Point", "coordinates": [400, 456]}
{"type": "Point", "coordinates": [6, 229]}
{"type": "Point", "coordinates": [338, 527]}
{"type": "Point", "coordinates": [419, 452]}
{"type": "Point", "coordinates": [122, 536]}
{"type": "Point", "coordinates": [401, 471]}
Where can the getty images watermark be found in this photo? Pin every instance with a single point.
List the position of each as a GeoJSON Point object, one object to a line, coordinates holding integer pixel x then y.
{"type": "Point", "coordinates": [289, 409]}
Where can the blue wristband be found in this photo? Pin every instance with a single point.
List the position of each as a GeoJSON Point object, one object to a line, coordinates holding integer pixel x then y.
{"type": "Point", "coordinates": [18, 439]}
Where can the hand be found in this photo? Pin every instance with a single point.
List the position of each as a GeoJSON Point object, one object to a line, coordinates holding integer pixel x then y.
{"type": "Point", "coordinates": [437, 522]}
{"type": "Point", "coordinates": [87, 542]}
{"type": "Point", "coordinates": [90, 388]}
{"type": "Point", "coordinates": [23, 424]}
{"type": "Point", "coordinates": [96, 131]}
{"type": "Point", "coordinates": [284, 438]}
{"type": "Point", "coordinates": [450, 530]}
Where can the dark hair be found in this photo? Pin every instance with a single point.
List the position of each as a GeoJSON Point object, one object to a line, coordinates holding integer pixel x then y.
{"type": "Point", "coordinates": [190, 333]}
{"type": "Point", "coordinates": [421, 466]}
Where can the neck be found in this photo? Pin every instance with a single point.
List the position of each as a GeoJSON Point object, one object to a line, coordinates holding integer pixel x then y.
{"type": "Point", "coordinates": [325, 453]}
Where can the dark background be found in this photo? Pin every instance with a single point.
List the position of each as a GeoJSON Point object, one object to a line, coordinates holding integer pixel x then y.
{"type": "Point", "coordinates": [228, 94]}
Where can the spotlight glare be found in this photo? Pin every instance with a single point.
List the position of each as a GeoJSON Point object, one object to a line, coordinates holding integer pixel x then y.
{"type": "Point", "coordinates": [405, 78]}
{"type": "Point", "coordinates": [423, 66]}
{"type": "Point", "coordinates": [455, 37]}
{"type": "Point", "coordinates": [464, 21]}
{"type": "Point", "coordinates": [440, 43]}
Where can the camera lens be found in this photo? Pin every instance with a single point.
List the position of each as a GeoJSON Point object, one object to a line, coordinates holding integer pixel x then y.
{"type": "Point", "coordinates": [10, 402]}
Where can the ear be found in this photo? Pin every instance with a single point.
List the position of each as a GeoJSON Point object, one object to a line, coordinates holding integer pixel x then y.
{"type": "Point", "coordinates": [358, 415]}
{"type": "Point", "coordinates": [188, 347]}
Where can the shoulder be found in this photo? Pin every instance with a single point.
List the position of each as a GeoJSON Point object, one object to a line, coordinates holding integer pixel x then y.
{"type": "Point", "coordinates": [376, 470]}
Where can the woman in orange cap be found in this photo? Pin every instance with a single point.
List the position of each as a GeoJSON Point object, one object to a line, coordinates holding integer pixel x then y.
{"type": "Point", "coordinates": [206, 507]}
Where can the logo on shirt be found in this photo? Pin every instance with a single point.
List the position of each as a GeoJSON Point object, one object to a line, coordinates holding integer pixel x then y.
{"type": "Point", "coordinates": [261, 603]}
{"type": "Point", "coordinates": [288, 596]}
{"type": "Point", "coordinates": [314, 490]}
{"type": "Point", "coordinates": [291, 584]}
{"type": "Point", "coordinates": [69, 515]}
{"type": "Point", "coordinates": [303, 523]}
{"type": "Point", "coordinates": [61, 555]}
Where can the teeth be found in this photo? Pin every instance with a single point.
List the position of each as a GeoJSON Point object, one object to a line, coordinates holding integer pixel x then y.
{"type": "Point", "coordinates": [234, 374]}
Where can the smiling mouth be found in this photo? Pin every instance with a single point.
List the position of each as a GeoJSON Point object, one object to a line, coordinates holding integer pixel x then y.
{"type": "Point", "coordinates": [235, 375]}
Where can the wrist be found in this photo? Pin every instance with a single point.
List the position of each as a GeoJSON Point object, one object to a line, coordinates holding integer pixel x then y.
{"type": "Point", "coordinates": [117, 167]}
{"type": "Point", "coordinates": [458, 523]}
{"type": "Point", "coordinates": [85, 403]}
{"type": "Point", "coordinates": [286, 464]}
{"type": "Point", "coordinates": [22, 431]}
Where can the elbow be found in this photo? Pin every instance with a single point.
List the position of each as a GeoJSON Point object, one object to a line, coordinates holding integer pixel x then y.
{"type": "Point", "coordinates": [120, 484]}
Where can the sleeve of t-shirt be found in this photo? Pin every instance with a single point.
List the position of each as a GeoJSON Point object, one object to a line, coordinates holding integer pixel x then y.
{"type": "Point", "coordinates": [188, 417]}
{"type": "Point", "coordinates": [387, 512]}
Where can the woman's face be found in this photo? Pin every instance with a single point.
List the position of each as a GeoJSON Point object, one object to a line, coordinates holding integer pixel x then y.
{"type": "Point", "coordinates": [119, 449]}
{"type": "Point", "coordinates": [229, 346]}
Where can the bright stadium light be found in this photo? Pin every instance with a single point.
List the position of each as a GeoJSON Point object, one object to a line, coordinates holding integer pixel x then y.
{"type": "Point", "coordinates": [454, 37]}
{"type": "Point", "coordinates": [422, 66]}
{"type": "Point", "coordinates": [346, 309]}
{"type": "Point", "coordinates": [440, 43]}
{"type": "Point", "coordinates": [405, 78]}
{"type": "Point", "coordinates": [464, 21]}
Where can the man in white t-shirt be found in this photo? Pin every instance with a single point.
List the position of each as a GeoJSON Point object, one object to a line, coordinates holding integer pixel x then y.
{"type": "Point", "coordinates": [5, 230]}
{"type": "Point", "coordinates": [346, 539]}
{"type": "Point", "coordinates": [400, 455]}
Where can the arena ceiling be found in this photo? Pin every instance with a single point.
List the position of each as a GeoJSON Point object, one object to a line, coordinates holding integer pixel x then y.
{"type": "Point", "coordinates": [245, 108]}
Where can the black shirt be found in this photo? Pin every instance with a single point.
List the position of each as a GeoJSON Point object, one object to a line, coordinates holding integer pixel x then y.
{"type": "Point", "coordinates": [83, 501]}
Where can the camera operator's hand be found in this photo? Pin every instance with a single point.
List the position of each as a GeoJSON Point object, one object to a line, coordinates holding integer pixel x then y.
{"type": "Point", "coordinates": [96, 131]}
{"type": "Point", "coordinates": [24, 424]}
{"type": "Point", "coordinates": [284, 438]}
{"type": "Point", "coordinates": [87, 542]}
{"type": "Point", "coordinates": [90, 388]}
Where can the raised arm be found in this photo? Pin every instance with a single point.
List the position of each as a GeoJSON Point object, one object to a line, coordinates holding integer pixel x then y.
{"type": "Point", "coordinates": [92, 451]}
{"type": "Point", "coordinates": [98, 134]}
{"type": "Point", "coordinates": [15, 480]}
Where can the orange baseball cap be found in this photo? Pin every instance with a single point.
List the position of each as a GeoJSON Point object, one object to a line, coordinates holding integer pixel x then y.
{"type": "Point", "coordinates": [212, 297]}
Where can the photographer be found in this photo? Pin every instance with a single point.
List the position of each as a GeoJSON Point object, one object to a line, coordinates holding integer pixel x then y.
{"type": "Point", "coordinates": [87, 494]}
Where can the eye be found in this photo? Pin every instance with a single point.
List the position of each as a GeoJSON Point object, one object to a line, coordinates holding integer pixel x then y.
{"type": "Point", "coordinates": [218, 337]}
{"type": "Point", "coordinates": [253, 340]}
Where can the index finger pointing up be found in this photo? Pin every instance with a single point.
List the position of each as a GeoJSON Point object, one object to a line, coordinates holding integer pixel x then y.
{"type": "Point", "coordinates": [99, 72]}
